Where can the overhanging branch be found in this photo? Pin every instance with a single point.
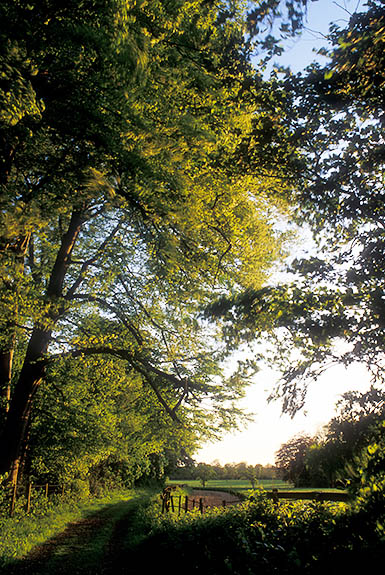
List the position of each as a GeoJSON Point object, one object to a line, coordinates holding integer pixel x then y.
{"type": "Point", "coordinates": [149, 372]}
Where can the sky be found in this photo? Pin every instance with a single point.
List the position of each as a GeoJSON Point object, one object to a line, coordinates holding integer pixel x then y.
{"type": "Point", "coordinates": [300, 51]}
{"type": "Point", "coordinates": [270, 428]}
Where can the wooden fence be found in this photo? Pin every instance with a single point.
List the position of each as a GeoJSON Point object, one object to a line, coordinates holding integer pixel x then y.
{"type": "Point", "coordinates": [183, 503]}
{"type": "Point", "coordinates": [276, 495]}
{"type": "Point", "coordinates": [47, 488]}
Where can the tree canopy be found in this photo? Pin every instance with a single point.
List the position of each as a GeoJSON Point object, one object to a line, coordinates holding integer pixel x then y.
{"type": "Point", "coordinates": [127, 204]}
{"type": "Point", "coordinates": [337, 455]}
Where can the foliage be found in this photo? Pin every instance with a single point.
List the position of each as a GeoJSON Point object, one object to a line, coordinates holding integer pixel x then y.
{"type": "Point", "coordinates": [370, 489]}
{"type": "Point", "coordinates": [141, 178]}
{"type": "Point", "coordinates": [204, 472]}
{"type": "Point", "coordinates": [333, 457]}
{"type": "Point", "coordinates": [260, 536]}
{"type": "Point", "coordinates": [92, 421]}
{"type": "Point", "coordinates": [331, 308]}
{"type": "Point", "coordinates": [290, 459]}
{"type": "Point", "coordinates": [334, 309]}
{"type": "Point", "coordinates": [228, 471]}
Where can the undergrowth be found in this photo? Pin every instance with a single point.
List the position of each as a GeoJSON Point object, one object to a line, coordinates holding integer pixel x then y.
{"type": "Point", "coordinates": [259, 536]}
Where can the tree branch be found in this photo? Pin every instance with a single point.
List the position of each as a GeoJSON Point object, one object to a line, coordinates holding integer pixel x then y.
{"type": "Point", "coordinates": [145, 368]}
{"type": "Point", "coordinates": [110, 307]}
{"type": "Point", "coordinates": [83, 270]}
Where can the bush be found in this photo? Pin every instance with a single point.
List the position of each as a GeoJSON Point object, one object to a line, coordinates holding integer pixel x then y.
{"type": "Point", "coordinates": [259, 536]}
{"type": "Point", "coordinates": [80, 488]}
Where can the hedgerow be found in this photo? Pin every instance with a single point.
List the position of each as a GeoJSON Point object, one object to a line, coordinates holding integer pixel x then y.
{"type": "Point", "coordinates": [262, 537]}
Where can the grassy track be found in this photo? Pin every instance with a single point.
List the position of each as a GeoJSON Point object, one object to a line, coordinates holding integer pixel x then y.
{"type": "Point", "coordinates": [72, 539]}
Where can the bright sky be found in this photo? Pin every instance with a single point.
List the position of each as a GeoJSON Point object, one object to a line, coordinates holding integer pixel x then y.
{"type": "Point", "coordinates": [262, 438]}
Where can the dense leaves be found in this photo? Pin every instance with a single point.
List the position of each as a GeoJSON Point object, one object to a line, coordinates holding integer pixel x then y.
{"type": "Point", "coordinates": [128, 203]}
{"type": "Point", "coordinates": [334, 457]}
{"type": "Point", "coordinates": [260, 536]}
{"type": "Point", "coordinates": [290, 459]}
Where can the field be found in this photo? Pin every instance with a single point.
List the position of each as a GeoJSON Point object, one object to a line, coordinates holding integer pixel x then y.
{"type": "Point", "coordinates": [243, 485]}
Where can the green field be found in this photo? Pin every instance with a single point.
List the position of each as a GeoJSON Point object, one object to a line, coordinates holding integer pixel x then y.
{"type": "Point", "coordinates": [244, 485]}
{"type": "Point", "coordinates": [233, 484]}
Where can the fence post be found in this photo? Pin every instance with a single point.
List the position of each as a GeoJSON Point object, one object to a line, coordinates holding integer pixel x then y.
{"type": "Point", "coordinates": [28, 504]}
{"type": "Point", "coordinates": [224, 503]}
{"type": "Point", "coordinates": [275, 495]}
{"type": "Point", "coordinates": [186, 504]}
{"type": "Point", "coordinates": [46, 490]}
{"type": "Point", "coordinates": [172, 503]}
{"type": "Point", "coordinates": [179, 504]}
{"type": "Point", "coordinates": [201, 505]}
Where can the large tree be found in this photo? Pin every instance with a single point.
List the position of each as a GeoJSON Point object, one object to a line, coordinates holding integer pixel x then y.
{"type": "Point", "coordinates": [126, 202]}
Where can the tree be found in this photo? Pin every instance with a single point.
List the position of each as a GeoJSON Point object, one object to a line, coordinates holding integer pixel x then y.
{"type": "Point", "coordinates": [358, 416]}
{"type": "Point", "coordinates": [333, 458]}
{"type": "Point", "coordinates": [343, 200]}
{"type": "Point", "coordinates": [253, 474]}
{"type": "Point", "coordinates": [204, 473]}
{"type": "Point", "coordinates": [290, 459]}
{"type": "Point", "coordinates": [332, 308]}
{"type": "Point", "coordinates": [93, 415]}
{"type": "Point", "coordinates": [124, 208]}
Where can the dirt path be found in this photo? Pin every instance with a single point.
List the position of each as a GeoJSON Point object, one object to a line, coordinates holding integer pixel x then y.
{"type": "Point", "coordinates": [100, 543]}
{"type": "Point", "coordinates": [92, 546]}
{"type": "Point", "coordinates": [215, 498]}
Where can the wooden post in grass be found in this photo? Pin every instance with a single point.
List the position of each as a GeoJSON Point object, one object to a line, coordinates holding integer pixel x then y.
{"type": "Point", "coordinates": [172, 503]}
{"type": "Point", "coordinates": [201, 505]}
{"type": "Point", "coordinates": [179, 504]}
{"type": "Point", "coordinates": [186, 504]}
{"type": "Point", "coordinates": [224, 503]}
{"type": "Point", "coordinates": [46, 490]}
{"type": "Point", "coordinates": [28, 503]}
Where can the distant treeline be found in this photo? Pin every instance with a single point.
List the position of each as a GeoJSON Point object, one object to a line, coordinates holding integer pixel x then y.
{"type": "Point", "coordinates": [228, 471]}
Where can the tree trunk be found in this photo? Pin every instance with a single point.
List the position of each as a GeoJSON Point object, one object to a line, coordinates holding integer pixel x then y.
{"type": "Point", "coordinates": [32, 373]}
{"type": "Point", "coordinates": [12, 439]}
{"type": "Point", "coordinates": [6, 359]}
{"type": "Point", "coordinates": [18, 249]}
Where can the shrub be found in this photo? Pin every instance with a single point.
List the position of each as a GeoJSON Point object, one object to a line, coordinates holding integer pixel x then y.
{"type": "Point", "coordinates": [259, 536]}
